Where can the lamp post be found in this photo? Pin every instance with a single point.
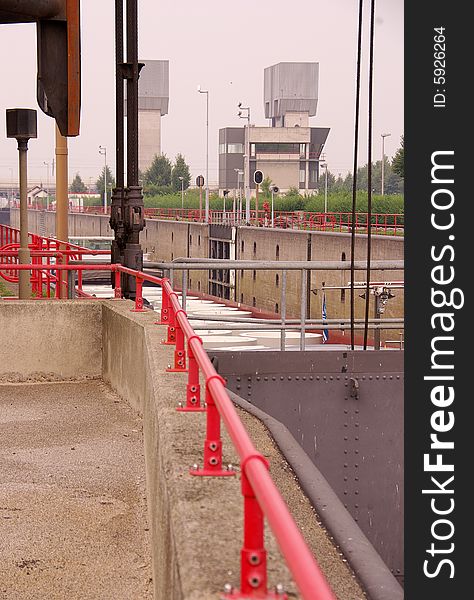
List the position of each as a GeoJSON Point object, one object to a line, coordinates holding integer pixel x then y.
{"type": "Point", "coordinates": [103, 150]}
{"type": "Point", "coordinates": [11, 188]}
{"type": "Point", "coordinates": [206, 218]}
{"type": "Point", "coordinates": [22, 125]}
{"type": "Point", "coordinates": [182, 191]}
{"type": "Point", "coordinates": [239, 197]}
{"type": "Point", "coordinates": [47, 184]}
{"type": "Point", "coordinates": [274, 189]}
{"type": "Point", "coordinates": [325, 165]}
{"type": "Point", "coordinates": [247, 160]}
{"type": "Point", "coordinates": [383, 135]}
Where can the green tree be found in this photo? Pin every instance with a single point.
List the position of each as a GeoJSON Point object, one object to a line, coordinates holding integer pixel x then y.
{"type": "Point", "coordinates": [100, 183]}
{"type": "Point", "coordinates": [398, 162]}
{"type": "Point", "coordinates": [159, 172]}
{"type": "Point", "coordinates": [265, 186]}
{"type": "Point", "coordinates": [180, 169]}
{"type": "Point", "coordinates": [77, 186]}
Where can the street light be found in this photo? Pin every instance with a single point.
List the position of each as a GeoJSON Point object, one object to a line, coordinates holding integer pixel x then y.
{"type": "Point", "coordinates": [274, 189]}
{"type": "Point", "coordinates": [103, 150]}
{"type": "Point", "coordinates": [207, 151]}
{"type": "Point", "coordinates": [383, 135]}
{"type": "Point", "coordinates": [239, 173]}
{"type": "Point", "coordinates": [47, 184]}
{"type": "Point", "coordinates": [325, 165]}
{"type": "Point", "coordinates": [247, 160]}
{"type": "Point", "coordinates": [182, 191]}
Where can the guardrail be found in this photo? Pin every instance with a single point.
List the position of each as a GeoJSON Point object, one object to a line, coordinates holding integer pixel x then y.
{"type": "Point", "coordinates": [45, 252]}
{"type": "Point", "coordinates": [384, 224]}
{"type": "Point", "coordinates": [261, 497]}
{"type": "Point", "coordinates": [381, 224]}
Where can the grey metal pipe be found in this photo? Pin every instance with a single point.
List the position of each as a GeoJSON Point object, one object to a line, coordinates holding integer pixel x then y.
{"type": "Point", "coordinates": [283, 309]}
{"type": "Point", "coordinates": [296, 265]}
{"type": "Point", "coordinates": [184, 288]}
{"type": "Point", "coordinates": [250, 327]}
{"type": "Point", "coordinates": [303, 309]}
{"type": "Point", "coordinates": [287, 321]}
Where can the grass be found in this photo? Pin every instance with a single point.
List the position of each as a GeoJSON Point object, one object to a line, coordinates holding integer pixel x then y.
{"type": "Point", "coordinates": [4, 291]}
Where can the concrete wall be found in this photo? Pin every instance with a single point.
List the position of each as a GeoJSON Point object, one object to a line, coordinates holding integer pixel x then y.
{"type": "Point", "coordinates": [149, 126]}
{"type": "Point", "coordinates": [50, 340]}
{"type": "Point", "coordinates": [165, 240]}
{"type": "Point", "coordinates": [196, 523]}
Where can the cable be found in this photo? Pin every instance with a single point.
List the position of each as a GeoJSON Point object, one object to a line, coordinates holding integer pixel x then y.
{"type": "Point", "coordinates": [369, 171]}
{"type": "Point", "coordinates": [354, 177]}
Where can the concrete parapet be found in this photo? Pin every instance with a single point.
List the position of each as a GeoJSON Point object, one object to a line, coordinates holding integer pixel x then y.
{"type": "Point", "coordinates": [50, 340]}
{"type": "Point", "coordinates": [197, 522]}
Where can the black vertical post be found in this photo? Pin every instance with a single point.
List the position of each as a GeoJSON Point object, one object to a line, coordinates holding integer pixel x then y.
{"type": "Point", "coordinates": [116, 210]}
{"type": "Point", "coordinates": [134, 220]}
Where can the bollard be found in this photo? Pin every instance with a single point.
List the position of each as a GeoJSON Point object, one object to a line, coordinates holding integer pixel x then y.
{"type": "Point", "coordinates": [193, 388]}
{"type": "Point", "coordinates": [213, 443]}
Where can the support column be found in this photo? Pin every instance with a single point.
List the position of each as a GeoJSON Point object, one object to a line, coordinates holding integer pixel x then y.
{"type": "Point", "coordinates": [62, 205]}
{"type": "Point", "coordinates": [24, 287]}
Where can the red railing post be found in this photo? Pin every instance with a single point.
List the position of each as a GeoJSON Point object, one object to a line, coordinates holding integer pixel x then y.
{"type": "Point", "coordinates": [165, 304]}
{"type": "Point", "coordinates": [79, 275]}
{"type": "Point", "coordinates": [171, 331]}
{"type": "Point", "coordinates": [193, 388]}
{"type": "Point", "coordinates": [118, 282]}
{"type": "Point", "coordinates": [180, 351]}
{"type": "Point", "coordinates": [58, 277]}
{"type": "Point", "coordinates": [213, 443]}
{"type": "Point", "coordinates": [139, 296]}
{"type": "Point", "coordinates": [253, 556]}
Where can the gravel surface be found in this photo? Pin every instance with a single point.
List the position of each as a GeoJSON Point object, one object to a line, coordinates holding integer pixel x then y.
{"type": "Point", "coordinates": [73, 516]}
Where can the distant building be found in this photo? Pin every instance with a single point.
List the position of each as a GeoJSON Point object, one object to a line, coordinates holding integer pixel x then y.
{"type": "Point", "coordinates": [288, 152]}
{"type": "Point", "coordinates": [153, 100]}
{"type": "Point", "coordinates": [36, 195]}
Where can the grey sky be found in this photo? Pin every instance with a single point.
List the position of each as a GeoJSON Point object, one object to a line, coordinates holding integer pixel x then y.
{"type": "Point", "coordinates": [224, 47]}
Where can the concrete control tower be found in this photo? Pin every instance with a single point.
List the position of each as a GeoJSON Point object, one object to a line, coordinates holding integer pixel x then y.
{"type": "Point", "coordinates": [153, 100]}
{"type": "Point", "coordinates": [291, 93]}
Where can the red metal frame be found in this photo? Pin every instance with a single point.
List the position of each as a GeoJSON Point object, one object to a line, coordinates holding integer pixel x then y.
{"type": "Point", "coordinates": [261, 497]}
{"type": "Point", "coordinates": [382, 224]}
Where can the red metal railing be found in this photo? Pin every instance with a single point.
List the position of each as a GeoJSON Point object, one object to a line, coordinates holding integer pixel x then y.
{"type": "Point", "coordinates": [261, 497]}
{"type": "Point", "coordinates": [45, 252]}
{"type": "Point", "coordinates": [382, 224]}
{"type": "Point", "coordinates": [386, 224]}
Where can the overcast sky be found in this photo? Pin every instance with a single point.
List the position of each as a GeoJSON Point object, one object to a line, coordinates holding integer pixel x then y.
{"type": "Point", "coordinates": [224, 47]}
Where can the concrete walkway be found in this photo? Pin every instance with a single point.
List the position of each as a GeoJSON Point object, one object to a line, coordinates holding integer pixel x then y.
{"type": "Point", "coordinates": [73, 518]}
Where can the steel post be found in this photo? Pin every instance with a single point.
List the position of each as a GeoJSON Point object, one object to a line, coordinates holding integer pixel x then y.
{"type": "Point", "coordinates": [62, 204]}
{"type": "Point", "coordinates": [303, 309]}
{"type": "Point", "coordinates": [283, 310]}
{"type": "Point", "coordinates": [213, 443]}
{"type": "Point", "coordinates": [24, 284]}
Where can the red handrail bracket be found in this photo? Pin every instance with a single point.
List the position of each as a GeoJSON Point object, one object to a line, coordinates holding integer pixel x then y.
{"type": "Point", "coordinates": [213, 443]}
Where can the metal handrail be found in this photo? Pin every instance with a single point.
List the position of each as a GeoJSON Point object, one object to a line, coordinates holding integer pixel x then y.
{"type": "Point", "coordinates": [261, 497]}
